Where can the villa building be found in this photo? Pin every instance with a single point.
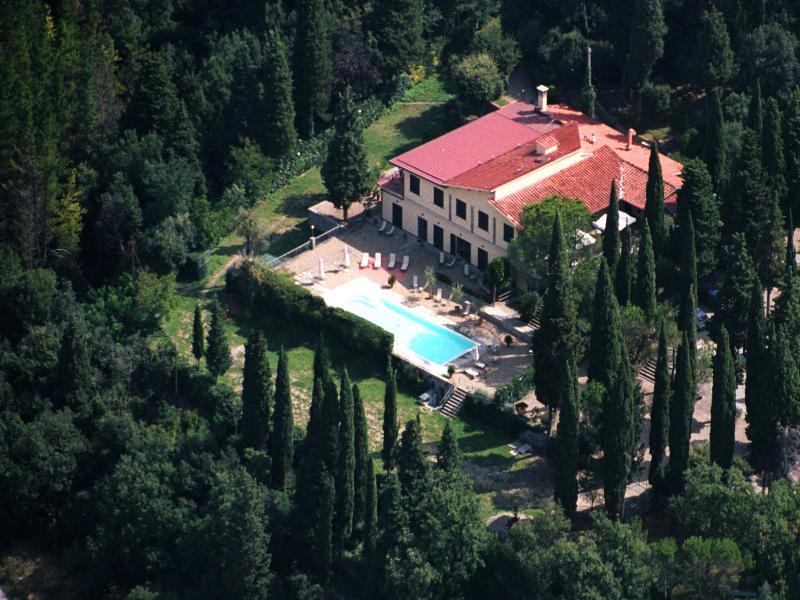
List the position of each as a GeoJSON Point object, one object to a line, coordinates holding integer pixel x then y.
{"type": "Point", "coordinates": [464, 192]}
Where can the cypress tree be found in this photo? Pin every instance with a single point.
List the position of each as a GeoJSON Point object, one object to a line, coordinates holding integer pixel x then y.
{"type": "Point", "coordinates": [785, 392]}
{"type": "Point", "coordinates": [689, 258]}
{"type": "Point", "coordinates": [624, 277]}
{"type": "Point", "coordinates": [605, 345]}
{"type": "Point", "coordinates": [554, 341]}
{"type": "Point", "coordinates": [714, 59]}
{"type": "Point", "coordinates": [791, 260]}
{"type": "Point", "coordinates": [680, 418]}
{"type": "Point", "coordinates": [644, 293]}
{"type": "Point", "coordinates": [654, 202]}
{"type": "Point", "coordinates": [329, 432]}
{"type": "Point", "coordinates": [617, 437]}
{"type": "Point", "coordinates": [283, 425]}
{"type": "Point", "coordinates": [762, 409]}
{"type": "Point", "coordinates": [772, 149]}
{"type": "Point", "coordinates": [256, 393]}
{"type": "Point", "coordinates": [792, 149]}
{"type": "Point", "coordinates": [218, 353]}
{"type": "Point", "coordinates": [735, 293]}
{"type": "Point", "coordinates": [312, 66]}
{"type": "Point", "coordinates": [646, 43]}
{"type": "Point", "coordinates": [611, 241]}
{"type": "Point", "coordinates": [687, 322]}
{"type": "Point", "coordinates": [279, 136]}
{"type": "Point", "coordinates": [755, 355]}
{"type": "Point", "coordinates": [448, 457]}
{"type": "Point", "coordinates": [755, 112]}
{"type": "Point", "coordinates": [314, 427]}
{"type": "Point", "coordinates": [566, 453]}
{"type": "Point", "coordinates": [345, 170]}
{"type": "Point", "coordinates": [371, 511]}
{"type": "Point", "coordinates": [345, 472]}
{"type": "Point", "coordinates": [323, 531]}
{"type": "Point", "coordinates": [723, 403]}
{"type": "Point", "coordinates": [362, 458]}
{"type": "Point", "coordinates": [659, 416]}
{"type": "Point", "coordinates": [198, 334]}
{"type": "Point", "coordinates": [714, 152]}
{"type": "Point", "coordinates": [696, 197]}
{"type": "Point", "coordinates": [412, 466]}
{"type": "Point", "coordinates": [390, 418]}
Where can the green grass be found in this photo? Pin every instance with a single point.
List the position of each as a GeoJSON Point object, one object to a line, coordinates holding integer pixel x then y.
{"type": "Point", "coordinates": [431, 89]}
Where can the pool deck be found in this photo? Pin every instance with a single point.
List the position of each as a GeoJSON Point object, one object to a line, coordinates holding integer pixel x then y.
{"type": "Point", "coordinates": [501, 362]}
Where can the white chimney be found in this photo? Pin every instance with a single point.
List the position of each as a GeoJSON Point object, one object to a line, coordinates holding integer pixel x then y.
{"type": "Point", "coordinates": [541, 98]}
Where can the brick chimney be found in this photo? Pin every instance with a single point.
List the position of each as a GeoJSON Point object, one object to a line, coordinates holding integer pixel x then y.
{"type": "Point", "coordinates": [541, 98]}
{"type": "Point", "coordinates": [629, 142]}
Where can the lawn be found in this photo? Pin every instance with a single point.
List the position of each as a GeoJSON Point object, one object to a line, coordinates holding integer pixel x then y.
{"type": "Point", "coordinates": [431, 89]}
{"type": "Point", "coordinates": [502, 481]}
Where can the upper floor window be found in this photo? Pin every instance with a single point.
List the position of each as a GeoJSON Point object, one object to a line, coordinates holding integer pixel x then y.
{"type": "Point", "coordinates": [461, 209]}
{"type": "Point", "coordinates": [413, 184]}
{"type": "Point", "coordinates": [508, 233]}
{"type": "Point", "coordinates": [438, 197]}
{"type": "Point", "coordinates": [483, 220]}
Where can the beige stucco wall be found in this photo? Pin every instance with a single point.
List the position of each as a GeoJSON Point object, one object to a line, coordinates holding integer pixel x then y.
{"type": "Point", "coordinates": [421, 205]}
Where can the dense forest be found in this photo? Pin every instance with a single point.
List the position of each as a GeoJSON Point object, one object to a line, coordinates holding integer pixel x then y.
{"type": "Point", "coordinates": [136, 134]}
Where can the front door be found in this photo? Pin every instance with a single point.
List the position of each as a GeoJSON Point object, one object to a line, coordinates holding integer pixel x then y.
{"type": "Point", "coordinates": [397, 215]}
{"type": "Point", "coordinates": [438, 237]}
{"type": "Point", "coordinates": [422, 229]}
{"type": "Point", "coordinates": [460, 248]}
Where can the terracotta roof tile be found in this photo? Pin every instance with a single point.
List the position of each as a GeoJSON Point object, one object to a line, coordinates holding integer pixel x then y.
{"type": "Point", "coordinates": [588, 180]}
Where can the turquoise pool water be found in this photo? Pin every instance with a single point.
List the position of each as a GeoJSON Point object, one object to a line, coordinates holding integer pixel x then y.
{"type": "Point", "coordinates": [411, 331]}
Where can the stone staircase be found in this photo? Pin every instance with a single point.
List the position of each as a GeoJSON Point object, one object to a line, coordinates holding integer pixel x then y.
{"type": "Point", "coordinates": [453, 404]}
{"type": "Point", "coordinates": [648, 369]}
{"type": "Point", "coordinates": [536, 321]}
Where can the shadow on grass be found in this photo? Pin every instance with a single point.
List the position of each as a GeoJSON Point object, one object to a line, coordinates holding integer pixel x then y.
{"type": "Point", "coordinates": [429, 124]}
{"type": "Point", "coordinates": [228, 250]}
{"type": "Point", "coordinates": [296, 205]}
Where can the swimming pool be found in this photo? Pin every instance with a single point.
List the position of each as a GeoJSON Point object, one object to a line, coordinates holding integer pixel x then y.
{"type": "Point", "coordinates": [412, 331]}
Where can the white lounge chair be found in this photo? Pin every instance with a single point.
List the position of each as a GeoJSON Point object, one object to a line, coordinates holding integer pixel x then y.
{"type": "Point", "coordinates": [441, 258]}
{"type": "Point", "coordinates": [364, 260]}
{"type": "Point", "coordinates": [467, 306]}
{"type": "Point", "coordinates": [377, 263]}
{"type": "Point", "coordinates": [438, 297]}
{"type": "Point", "coordinates": [472, 373]}
{"type": "Point", "coordinates": [406, 260]}
{"type": "Point", "coordinates": [382, 228]}
{"type": "Point", "coordinates": [392, 260]}
{"type": "Point", "coordinates": [390, 231]}
{"type": "Point", "coordinates": [451, 262]}
{"type": "Point", "coordinates": [480, 365]}
{"type": "Point", "coordinates": [415, 281]}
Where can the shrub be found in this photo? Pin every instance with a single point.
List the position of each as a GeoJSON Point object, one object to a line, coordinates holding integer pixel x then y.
{"type": "Point", "coordinates": [529, 305]}
{"type": "Point", "coordinates": [656, 99]}
{"type": "Point", "coordinates": [480, 407]}
{"type": "Point", "coordinates": [508, 339]}
{"type": "Point", "coordinates": [451, 369]}
{"type": "Point", "coordinates": [516, 388]}
{"type": "Point", "coordinates": [392, 280]}
{"type": "Point", "coordinates": [502, 47]}
{"type": "Point", "coordinates": [276, 295]}
{"type": "Point", "coordinates": [477, 79]}
{"type": "Point", "coordinates": [195, 267]}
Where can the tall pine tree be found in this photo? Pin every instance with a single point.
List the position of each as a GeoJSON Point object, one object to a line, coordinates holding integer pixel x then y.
{"type": "Point", "coordinates": [611, 239]}
{"type": "Point", "coordinates": [362, 458]}
{"type": "Point", "coordinates": [398, 28]}
{"type": "Point", "coordinates": [605, 343]}
{"type": "Point", "coordinates": [735, 293]}
{"type": "Point", "coordinates": [755, 112]}
{"type": "Point", "coordinates": [345, 170]}
{"type": "Point", "coordinates": [554, 341]}
{"type": "Point", "coordinates": [218, 353]}
{"type": "Point", "coordinates": [723, 403]}
{"type": "Point", "coordinates": [371, 511]}
{"type": "Point", "coordinates": [680, 417]}
{"type": "Point", "coordinates": [654, 202]}
{"type": "Point", "coordinates": [312, 66]}
{"type": "Point", "coordinates": [566, 453]}
{"type": "Point", "coordinates": [389, 417]}
{"type": "Point", "coordinates": [646, 47]}
{"type": "Point", "coordinates": [74, 375]}
{"type": "Point", "coordinates": [772, 148]}
{"type": "Point", "coordinates": [618, 432]}
{"type": "Point", "coordinates": [323, 525]}
{"type": "Point", "coordinates": [659, 416]}
{"type": "Point", "coordinates": [623, 280]}
{"type": "Point", "coordinates": [696, 197]}
{"type": "Point", "coordinates": [256, 394]}
{"type": "Point", "coordinates": [448, 456]}
{"type": "Point", "coordinates": [792, 149]}
{"type": "Point", "coordinates": [279, 136]}
{"type": "Point", "coordinates": [345, 470]}
{"type": "Point", "coordinates": [198, 334]}
{"type": "Point", "coordinates": [283, 423]}
{"type": "Point", "coordinates": [644, 292]}
{"type": "Point", "coordinates": [756, 365]}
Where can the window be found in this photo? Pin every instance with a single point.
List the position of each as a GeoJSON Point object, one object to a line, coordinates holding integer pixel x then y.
{"type": "Point", "coordinates": [413, 184]}
{"type": "Point", "coordinates": [438, 197]}
{"type": "Point", "coordinates": [508, 233]}
{"type": "Point", "coordinates": [483, 220]}
{"type": "Point", "coordinates": [461, 209]}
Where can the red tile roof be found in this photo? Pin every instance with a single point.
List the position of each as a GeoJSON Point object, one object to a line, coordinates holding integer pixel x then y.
{"type": "Point", "coordinates": [588, 180]}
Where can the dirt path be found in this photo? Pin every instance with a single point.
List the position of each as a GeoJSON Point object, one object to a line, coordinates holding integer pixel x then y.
{"type": "Point", "coordinates": [214, 279]}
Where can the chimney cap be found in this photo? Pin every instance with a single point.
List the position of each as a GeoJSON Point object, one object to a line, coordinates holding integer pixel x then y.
{"type": "Point", "coordinates": [542, 88]}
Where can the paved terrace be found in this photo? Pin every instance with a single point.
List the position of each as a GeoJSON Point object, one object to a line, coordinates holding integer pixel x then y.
{"type": "Point", "coordinates": [502, 362]}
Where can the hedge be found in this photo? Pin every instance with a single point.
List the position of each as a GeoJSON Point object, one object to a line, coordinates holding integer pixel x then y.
{"type": "Point", "coordinates": [516, 389]}
{"type": "Point", "coordinates": [275, 294]}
